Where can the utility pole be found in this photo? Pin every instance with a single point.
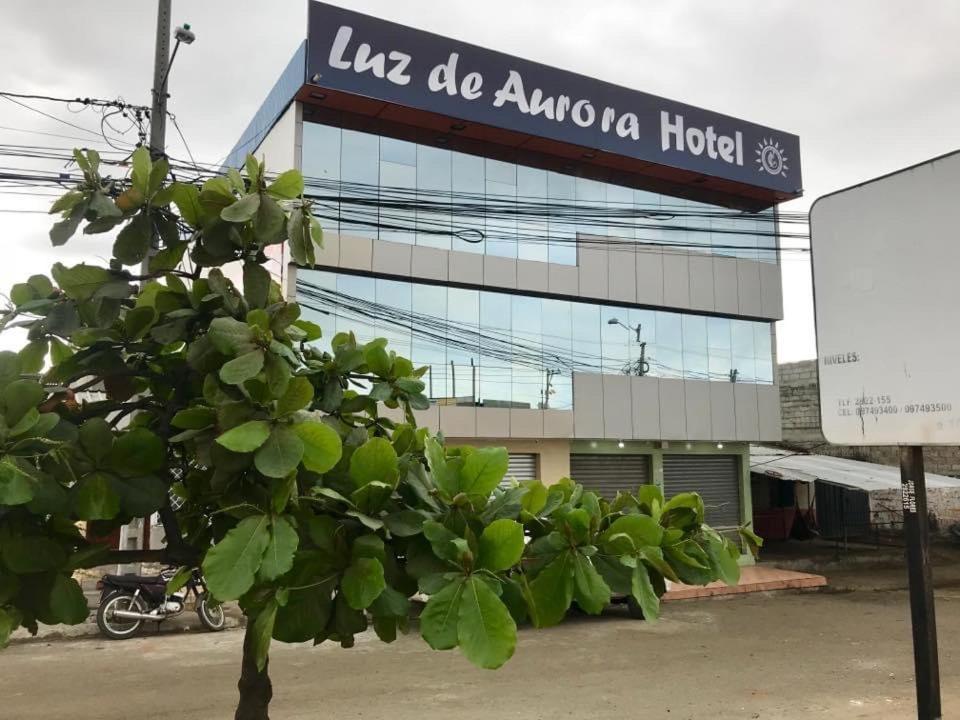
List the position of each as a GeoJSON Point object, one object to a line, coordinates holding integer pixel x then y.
{"type": "Point", "coordinates": [158, 106]}
{"type": "Point", "coordinates": [161, 71]}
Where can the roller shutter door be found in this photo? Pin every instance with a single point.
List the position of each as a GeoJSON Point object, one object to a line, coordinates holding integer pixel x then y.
{"type": "Point", "coordinates": [521, 466]}
{"type": "Point", "coordinates": [608, 474]}
{"type": "Point", "coordinates": [715, 477]}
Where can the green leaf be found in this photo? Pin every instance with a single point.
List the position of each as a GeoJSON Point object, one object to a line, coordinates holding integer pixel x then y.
{"type": "Point", "coordinates": [241, 369]}
{"type": "Point", "coordinates": [242, 210]}
{"type": "Point", "coordinates": [305, 615]}
{"type": "Point", "coordinates": [80, 282]}
{"type": "Point", "coordinates": [187, 199]}
{"type": "Point", "coordinates": [25, 554]}
{"type": "Point", "coordinates": [230, 336]}
{"type": "Point", "coordinates": [552, 591]}
{"type": "Point", "coordinates": [158, 173]}
{"type": "Point", "coordinates": [405, 523]}
{"type": "Point", "coordinates": [643, 592]}
{"type": "Point", "coordinates": [268, 223]}
{"type": "Point", "coordinates": [300, 251]}
{"type": "Point", "coordinates": [363, 582]}
{"type": "Point", "coordinates": [501, 545]}
{"type": "Point", "coordinates": [483, 470]}
{"type": "Point", "coordinates": [589, 589]}
{"type": "Point", "coordinates": [298, 395]}
{"type": "Point", "coordinates": [256, 284]}
{"type": "Point", "coordinates": [230, 566]}
{"type": "Point", "coordinates": [375, 460]}
{"type": "Point", "coordinates": [94, 499]}
{"type": "Point", "coordinates": [63, 230]}
{"type": "Point", "coordinates": [96, 438]}
{"type": "Point", "coordinates": [18, 397]}
{"type": "Point", "coordinates": [445, 473]}
{"type": "Point", "coordinates": [68, 604]}
{"type": "Point", "coordinates": [371, 498]}
{"type": "Point", "coordinates": [288, 185]}
{"type": "Point", "coordinates": [723, 556]}
{"type": "Point", "coordinates": [322, 447]}
{"type": "Point", "coordinates": [311, 330]}
{"type": "Point", "coordinates": [26, 423]}
{"type": "Point", "coordinates": [277, 372]}
{"type": "Point", "coordinates": [443, 542]}
{"type": "Point", "coordinates": [17, 487]}
{"type": "Point", "coordinates": [194, 418]}
{"type": "Point", "coordinates": [280, 453]}
{"type": "Point", "coordinates": [440, 618]}
{"type": "Point", "coordinates": [486, 631]}
{"type": "Point", "coordinates": [9, 367]}
{"type": "Point", "coordinates": [641, 529]}
{"type": "Point", "coordinates": [247, 437]}
{"type": "Point", "coordinates": [139, 496]}
{"type": "Point", "coordinates": [263, 632]}
{"type": "Point", "coordinates": [138, 321]}
{"type": "Point", "coordinates": [140, 174]}
{"type": "Point", "coordinates": [377, 359]}
{"type": "Point", "coordinates": [179, 580]}
{"type": "Point", "coordinates": [32, 356]}
{"type": "Point", "coordinates": [278, 557]}
{"type": "Point", "coordinates": [9, 621]}
{"type": "Point", "coordinates": [535, 498]}
{"type": "Point", "coordinates": [133, 241]}
{"type": "Point", "coordinates": [753, 541]}
{"type": "Point", "coordinates": [137, 452]}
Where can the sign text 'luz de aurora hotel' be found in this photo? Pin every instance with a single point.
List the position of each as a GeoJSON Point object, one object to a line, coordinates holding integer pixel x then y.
{"type": "Point", "coordinates": [362, 55]}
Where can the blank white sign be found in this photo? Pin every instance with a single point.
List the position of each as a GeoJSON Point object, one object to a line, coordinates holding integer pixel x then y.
{"type": "Point", "coordinates": [886, 277]}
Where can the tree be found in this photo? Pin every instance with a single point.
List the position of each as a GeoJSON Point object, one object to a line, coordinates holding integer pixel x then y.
{"type": "Point", "coordinates": [301, 500]}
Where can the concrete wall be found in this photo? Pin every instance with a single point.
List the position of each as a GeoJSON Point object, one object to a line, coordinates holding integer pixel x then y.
{"type": "Point", "coordinates": [800, 413]}
{"type": "Point", "coordinates": [643, 408]}
{"type": "Point", "coordinates": [676, 280]}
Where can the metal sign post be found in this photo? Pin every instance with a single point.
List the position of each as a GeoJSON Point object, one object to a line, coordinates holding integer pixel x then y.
{"type": "Point", "coordinates": [915, 528]}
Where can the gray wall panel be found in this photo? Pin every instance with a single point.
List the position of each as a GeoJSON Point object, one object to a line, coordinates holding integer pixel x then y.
{"type": "Point", "coordinates": [697, 403]}
{"type": "Point", "coordinates": [722, 419]}
{"type": "Point", "coordinates": [587, 405]}
{"type": "Point", "coordinates": [673, 410]}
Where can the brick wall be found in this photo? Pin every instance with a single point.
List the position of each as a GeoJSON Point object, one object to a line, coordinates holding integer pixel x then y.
{"type": "Point", "coordinates": [800, 413]}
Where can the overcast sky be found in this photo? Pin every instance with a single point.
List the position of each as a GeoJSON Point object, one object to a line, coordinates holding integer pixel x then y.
{"type": "Point", "coordinates": [870, 86]}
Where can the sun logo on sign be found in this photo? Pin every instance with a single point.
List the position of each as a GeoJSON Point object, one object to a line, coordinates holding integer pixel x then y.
{"type": "Point", "coordinates": [771, 158]}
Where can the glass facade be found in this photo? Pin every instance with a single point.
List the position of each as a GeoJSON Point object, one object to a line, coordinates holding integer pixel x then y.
{"type": "Point", "coordinates": [498, 349]}
{"type": "Point", "coordinates": [425, 195]}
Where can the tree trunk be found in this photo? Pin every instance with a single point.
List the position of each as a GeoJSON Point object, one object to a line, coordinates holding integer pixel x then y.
{"type": "Point", "coordinates": [256, 691]}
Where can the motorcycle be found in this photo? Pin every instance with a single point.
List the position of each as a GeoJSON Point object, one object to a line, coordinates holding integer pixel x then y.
{"type": "Point", "coordinates": [127, 601]}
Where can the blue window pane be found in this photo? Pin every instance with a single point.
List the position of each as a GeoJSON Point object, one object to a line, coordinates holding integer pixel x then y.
{"type": "Point", "coordinates": [469, 180]}
{"type": "Point", "coordinates": [398, 151]}
{"type": "Point", "coordinates": [695, 357]}
{"type": "Point", "coordinates": [532, 232]}
{"type": "Point", "coordinates": [496, 350]}
{"type": "Point", "coordinates": [668, 358]}
{"type": "Point", "coordinates": [434, 183]}
{"type": "Point", "coordinates": [561, 190]}
{"type": "Point", "coordinates": [359, 164]}
{"type": "Point", "coordinates": [501, 200]}
{"type": "Point", "coordinates": [718, 341]}
{"type": "Point", "coordinates": [429, 345]}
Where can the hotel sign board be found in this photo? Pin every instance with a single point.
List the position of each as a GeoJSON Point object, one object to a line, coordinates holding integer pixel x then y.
{"type": "Point", "coordinates": [886, 263]}
{"type": "Point", "coordinates": [361, 55]}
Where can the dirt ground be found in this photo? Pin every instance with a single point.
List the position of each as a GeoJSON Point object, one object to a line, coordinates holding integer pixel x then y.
{"type": "Point", "coordinates": [842, 654]}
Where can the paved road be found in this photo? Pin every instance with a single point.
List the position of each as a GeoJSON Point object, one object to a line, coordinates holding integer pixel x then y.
{"type": "Point", "coordinates": [821, 655]}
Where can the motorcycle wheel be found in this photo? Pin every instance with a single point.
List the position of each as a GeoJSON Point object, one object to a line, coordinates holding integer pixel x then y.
{"type": "Point", "coordinates": [116, 628]}
{"type": "Point", "coordinates": [211, 613]}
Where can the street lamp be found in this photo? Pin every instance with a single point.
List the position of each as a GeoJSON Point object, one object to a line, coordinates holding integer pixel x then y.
{"type": "Point", "coordinates": [641, 367]}
{"type": "Point", "coordinates": [615, 321]}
